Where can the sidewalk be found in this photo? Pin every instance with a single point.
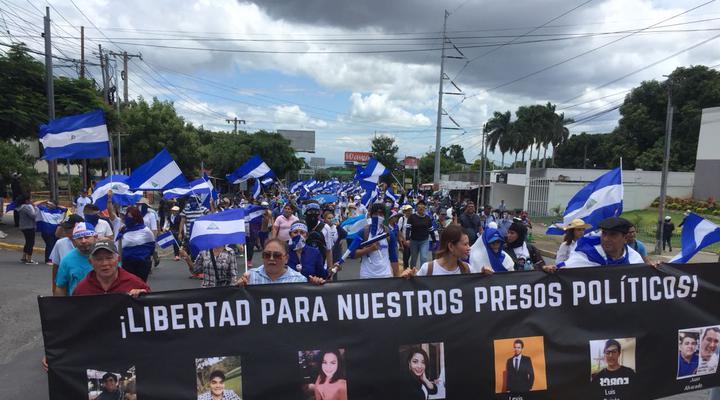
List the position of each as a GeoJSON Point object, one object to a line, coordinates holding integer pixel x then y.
{"type": "Point", "coordinates": [15, 239]}
{"type": "Point", "coordinates": [548, 245]}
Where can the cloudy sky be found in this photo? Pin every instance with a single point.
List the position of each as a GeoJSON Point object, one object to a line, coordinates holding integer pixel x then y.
{"type": "Point", "coordinates": [351, 69]}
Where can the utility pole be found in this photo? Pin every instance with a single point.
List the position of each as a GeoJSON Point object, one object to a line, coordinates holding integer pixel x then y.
{"type": "Point", "coordinates": [82, 52]}
{"type": "Point", "coordinates": [666, 166]}
{"type": "Point", "coordinates": [50, 90]}
{"type": "Point", "coordinates": [438, 128]}
{"type": "Point", "coordinates": [105, 78]}
{"type": "Point", "coordinates": [235, 121]}
{"type": "Point", "coordinates": [125, 56]}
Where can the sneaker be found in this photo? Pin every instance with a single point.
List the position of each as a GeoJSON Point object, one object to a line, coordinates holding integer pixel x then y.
{"type": "Point", "coordinates": [3, 235]}
{"type": "Point", "coordinates": [30, 262]}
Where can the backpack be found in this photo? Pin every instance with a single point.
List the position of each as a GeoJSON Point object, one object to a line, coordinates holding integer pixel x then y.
{"type": "Point", "coordinates": [464, 267]}
{"type": "Point", "coordinates": [316, 239]}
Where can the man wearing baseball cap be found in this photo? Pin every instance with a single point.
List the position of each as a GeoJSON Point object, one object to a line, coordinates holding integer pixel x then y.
{"type": "Point", "coordinates": [610, 248]}
{"type": "Point", "coordinates": [106, 277]}
{"type": "Point", "coordinates": [75, 265]}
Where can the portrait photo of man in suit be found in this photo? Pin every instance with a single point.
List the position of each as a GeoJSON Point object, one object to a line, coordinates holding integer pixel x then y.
{"type": "Point", "coordinates": [519, 371]}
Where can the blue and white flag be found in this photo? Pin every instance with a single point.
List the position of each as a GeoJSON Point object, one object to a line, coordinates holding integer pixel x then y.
{"type": "Point", "coordinates": [166, 240]}
{"type": "Point", "coordinates": [295, 186]}
{"type": "Point", "coordinates": [198, 187]}
{"type": "Point", "coordinates": [372, 171]}
{"type": "Point", "coordinates": [75, 137]}
{"type": "Point", "coordinates": [253, 213]}
{"type": "Point", "coordinates": [371, 193]}
{"type": "Point", "coordinates": [697, 233]}
{"type": "Point", "coordinates": [160, 173]}
{"type": "Point", "coordinates": [389, 194]}
{"type": "Point", "coordinates": [137, 242]}
{"type": "Point", "coordinates": [599, 199]}
{"type": "Point", "coordinates": [267, 180]}
{"type": "Point", "coordinates": [219, 229]}
{"type": "Point", "coordinates": [122, 195]}
{"type": "Point", "coordinates": [256, 189]}
{"type": "Point", "coordinates": [354, 226]}
{"type": "Point", "coordinates": [47, 220]}
{"type": "Point", "coordinates": [255, 167]}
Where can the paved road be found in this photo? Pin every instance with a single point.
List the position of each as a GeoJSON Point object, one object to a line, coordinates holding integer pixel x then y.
{"type": "Point", "coordinates": [20, 338]}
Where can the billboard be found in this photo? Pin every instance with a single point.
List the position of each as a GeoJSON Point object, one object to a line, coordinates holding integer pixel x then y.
{"type": "Point", "coordinates": [411, 162]}
{"type": "Point", "coordinates": [300, 141]}
{"type": "Point", "coordinates": [357, 156]}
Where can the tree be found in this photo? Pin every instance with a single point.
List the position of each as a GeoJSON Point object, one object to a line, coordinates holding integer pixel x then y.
{"type": "Point", "coordinates": [14, 158]}
{"type": "Point", "coordinates": [455, 153]}
{"type": "Point", "coordinates": [23, 104]}
{"type": "Point", "coordinates": [384, 149]}
{"type": "Point", "coordinates": [500, 133]}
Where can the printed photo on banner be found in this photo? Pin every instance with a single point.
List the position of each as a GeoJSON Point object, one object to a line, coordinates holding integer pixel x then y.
{"type": "Point", "coordinates": [118, 384]}
{"type": "Point", "coordinates": [219, 378]}
{"type": "Point", "coordinates": [323, 374]}
{"type": "Point", "coordinates": [698, 351]}
{"type": "Point", "coordinates": [520, 364]}
{"type": "Point", "coordinates": [612, 368]}
{"type": "Point", "coordinates": [422, 367]}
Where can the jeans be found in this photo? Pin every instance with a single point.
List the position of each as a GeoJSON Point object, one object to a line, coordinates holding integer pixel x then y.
{"type": "Point", "coordinates": [50, 240]}
{"type": "Point", "coordinates": [666, 240]}
{"type": "Point", "coordinates": [419, 249]}
{"type": "Point", "coordinates": [406, 257]}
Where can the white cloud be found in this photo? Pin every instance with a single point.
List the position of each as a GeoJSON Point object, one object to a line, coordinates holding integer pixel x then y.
{"type": "Point", "coordinates": [378, 107]}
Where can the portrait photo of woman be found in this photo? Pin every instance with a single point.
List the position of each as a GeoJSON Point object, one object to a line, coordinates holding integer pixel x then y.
{"type": "Point", "coordinates": [324, 372]}
{"type": "Point", "coordinates": [422, 370]}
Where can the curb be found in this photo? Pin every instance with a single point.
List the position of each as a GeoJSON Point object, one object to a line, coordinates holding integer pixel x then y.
{"type": "Point", "coordinates": [18, 247]}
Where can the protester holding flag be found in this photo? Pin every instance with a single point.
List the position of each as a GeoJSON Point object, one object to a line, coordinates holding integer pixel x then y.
{"type": "Point", "coordinates": [375, 258]}
{"type": "Point", "coordinates": [275, 270]}
{"type": "Point", "coordinates": [487, 252]}
{"type": "Point", "coordinates": [136, 243]}
{"type": "Point", "coordinates": [524, 255]}
{"type": "Point", "coordinates": [49, 216]}
{"type": "Point", "coordinates": [218, 266]}
{"type": "Point", "coordinates": [190, 213]}
{"type": "Point", "coordinates": [27, 212]}
{"type": "Point", "coordinates": [573, 231]}
{"type": "Point", "coordinates": [102, 227]}
{"type": "Point", "coordinates": [697, 233]}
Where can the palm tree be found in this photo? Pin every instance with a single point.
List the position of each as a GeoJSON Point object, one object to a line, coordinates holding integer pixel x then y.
{"type": "Point", "coordinates": [560, 133]}
{"type": "Point", "coordinates": [499, 129]}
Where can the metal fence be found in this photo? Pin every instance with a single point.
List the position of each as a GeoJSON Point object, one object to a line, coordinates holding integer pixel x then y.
{"type": "Point", "coordinates": [538, 197]}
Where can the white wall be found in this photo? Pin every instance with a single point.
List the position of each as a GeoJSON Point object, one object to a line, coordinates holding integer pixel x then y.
{"type": "Point", "coordinates": [513, 195]}
{"type": "Point", "coordinates": [636, 196]}
{"type": "Point", "coordinates": [709, 139]}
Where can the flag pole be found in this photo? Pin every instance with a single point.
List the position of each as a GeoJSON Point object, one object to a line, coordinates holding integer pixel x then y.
{"type": "Point", "coordinates": [245, 255]}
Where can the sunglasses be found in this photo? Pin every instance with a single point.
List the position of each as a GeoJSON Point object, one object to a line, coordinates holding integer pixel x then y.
{"type": "Point", "coordinates": [270, 255]}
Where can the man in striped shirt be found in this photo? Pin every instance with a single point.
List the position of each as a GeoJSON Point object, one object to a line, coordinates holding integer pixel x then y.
{"type": "Point", "coordinates": [192, 211]}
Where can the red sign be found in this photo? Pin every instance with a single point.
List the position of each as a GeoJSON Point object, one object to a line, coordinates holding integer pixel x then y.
{"type": "Point", "coordinates": [357, 156]}
{"type": "Point", "coordinates": [411, 162]}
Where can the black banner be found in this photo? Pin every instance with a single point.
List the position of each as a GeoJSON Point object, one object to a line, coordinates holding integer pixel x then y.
{"type": "Point", "coordinates": [624, 332]}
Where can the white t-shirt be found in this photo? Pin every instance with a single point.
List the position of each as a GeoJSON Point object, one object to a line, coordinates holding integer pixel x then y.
{"type": "Point", "coordinates": [564, 251]}
{"type": "Point", "coordinates": [437, 269]}
{"type": "Point", "coordinates": [61, 248]}
{"type": "Point", "coordinates": [151, 220]}
{"type": "Point", "coordinates": [103, 229]}
{"type": "Point", "coordinates": [80, 205]}
{"type": "Point", "coordinates": [376, 264]}
{"type": "Point", "coordinates": [331, 235]}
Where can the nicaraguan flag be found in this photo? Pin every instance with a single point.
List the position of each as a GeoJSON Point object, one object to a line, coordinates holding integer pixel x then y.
{"type": "Point", "coordinates": [219, 229]}
{"type": "Point", "coordinates": [76, 136]}
{"type": "Point", "coordinates": [160, 173]}
{"type": "Point", "coordinates": [137, 243]}
{"type": "Point", "coordinates": [372, 171]}
{"type": "Point", "coordinates": [47, 220]}
{"type": "Point", "coordinates": [389, 194]}
{"type": "Point", "coordinates": [295, 186]}
{"type": "Point", "coordinates": [198, 187]}
{"type": "Point", "coordinates": [255, 167]}
{"type": "Point", "coordinates": [253, 213]}
{"type": "Point", "coordinates": [599, 199]}
{"type": "Point", "coordinates": [122, 195]}
{"type": "Point", "coordinates": [354, 226]}
{"type": "Point", "coordinates": [166, 240]}
{"type": "Point", "coordinates": [697, 233]}
{"type": "Point", "coordinates": [267, 180]}
{"type": "Point", "coordinates": [256, 189]}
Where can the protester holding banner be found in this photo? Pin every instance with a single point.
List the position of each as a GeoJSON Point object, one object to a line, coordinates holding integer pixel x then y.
{"type": "Point", "coordinates": [281, 226]}
{"type": "Point", "coordinates": [525, 256]}
{"type": "Point", "coordinates": [610, 248]}
{"type": "Point", "coordinates": [573, 231]}
{"type": "Point", "coordinates": [454, 247]}
{"type": "Point", "coordinates": [275, 269]}
{"type": "Point", "coordinates": [106, 276]}
{"type": "Point", "coordinates": [304, 258]}
{"type": "Point", "coordinates": [488, 252]}
{"type": "Point", "coordinates": [218, 266]}
{"type": "Point", "coordinates": [75, 265]}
